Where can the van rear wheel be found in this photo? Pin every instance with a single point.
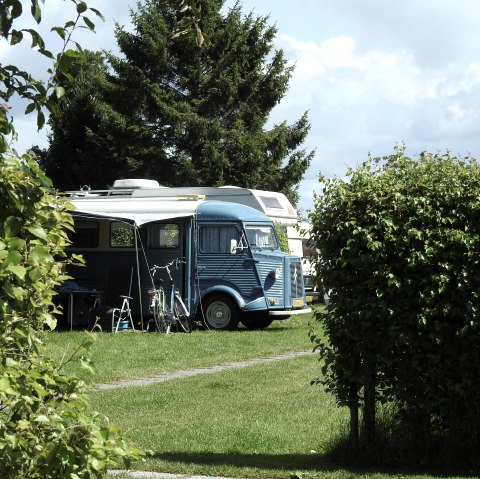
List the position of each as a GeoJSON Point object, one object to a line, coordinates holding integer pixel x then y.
{"type": "Point", "coordinates": [220, 312]}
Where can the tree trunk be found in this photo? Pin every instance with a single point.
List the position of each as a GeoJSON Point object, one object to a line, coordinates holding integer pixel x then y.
{"type": "Point", "coordinates": [369, 415]}
{"type": "Point", "coordinates": [353, 427]}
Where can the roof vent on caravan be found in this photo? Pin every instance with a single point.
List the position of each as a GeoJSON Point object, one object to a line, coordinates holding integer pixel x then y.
{"type": "Point", "coordinates": [135, 184]}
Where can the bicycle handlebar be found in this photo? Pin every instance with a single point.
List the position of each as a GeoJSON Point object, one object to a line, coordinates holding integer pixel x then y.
{"type": "Point", "coordinates": [175, 262]}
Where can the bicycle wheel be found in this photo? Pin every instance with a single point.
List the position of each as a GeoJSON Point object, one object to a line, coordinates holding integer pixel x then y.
{"type": "Point", "coordinates": [159, 316]}
{"type": "Point", "coordinates": [182, 315]}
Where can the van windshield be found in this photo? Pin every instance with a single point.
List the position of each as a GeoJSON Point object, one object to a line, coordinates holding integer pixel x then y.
{"type": "Point", "coordinates": [261, 236]}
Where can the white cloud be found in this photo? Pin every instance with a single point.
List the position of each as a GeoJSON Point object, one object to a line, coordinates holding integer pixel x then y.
{"type": "Point", "coordinates": [363, 100]}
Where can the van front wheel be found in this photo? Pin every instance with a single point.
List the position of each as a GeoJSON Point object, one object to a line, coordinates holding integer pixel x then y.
{"type": "Point", "coordinates": [257, 321]}
{"type": "Point", "coordinates": [220, 312]}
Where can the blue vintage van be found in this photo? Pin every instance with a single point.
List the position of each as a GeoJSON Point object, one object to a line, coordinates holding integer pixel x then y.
{"type": "Point", "coordinates": [234, 270]}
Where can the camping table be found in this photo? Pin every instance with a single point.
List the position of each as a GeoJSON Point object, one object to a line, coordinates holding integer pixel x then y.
{"type": "Point", "coordinates": [94, 294]}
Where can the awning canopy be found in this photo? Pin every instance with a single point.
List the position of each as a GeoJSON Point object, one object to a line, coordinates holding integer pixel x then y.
{"type": "Point", "coordinates": [133, 211]}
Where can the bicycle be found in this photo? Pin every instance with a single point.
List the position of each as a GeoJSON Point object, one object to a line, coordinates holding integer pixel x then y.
{"type": "Point", "coordinates": [168, 310]}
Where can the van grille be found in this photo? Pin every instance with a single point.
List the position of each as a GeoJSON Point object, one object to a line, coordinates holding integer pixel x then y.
{"type": "Point", "coordinates": [296, 279]}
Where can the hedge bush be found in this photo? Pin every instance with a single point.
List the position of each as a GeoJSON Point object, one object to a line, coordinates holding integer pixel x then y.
{"type": "Point", "coordinates": [399, 251]}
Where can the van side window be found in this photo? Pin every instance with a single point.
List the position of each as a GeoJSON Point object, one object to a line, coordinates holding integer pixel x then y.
{"type": "Point", "coordinates": [121, 235]}
{"type": "Point", "coordinates": [163, 235]}
{"type": "Point", "coordinates": [217, 238]}
{"type": "Point", "coordinates": [86, 234]}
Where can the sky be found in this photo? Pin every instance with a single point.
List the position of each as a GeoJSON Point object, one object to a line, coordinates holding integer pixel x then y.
{"type": "Point", "coordinates": [372, 74]}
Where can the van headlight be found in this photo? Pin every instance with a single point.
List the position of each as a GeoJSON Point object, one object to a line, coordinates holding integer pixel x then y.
{"type": "Point", "coordinates": [275, 274]}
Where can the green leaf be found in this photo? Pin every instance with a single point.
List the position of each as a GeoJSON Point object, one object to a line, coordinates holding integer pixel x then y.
{"type": "Point", "coordinates": [30, 108]}
{"type": "Point", "coordinates": [37, 231]}
{"type": "Point", "coordinates": [60, 31]}
{"type": "Point", "coordinates": [36, 11]}
{"type": "Point", "coordinates": [81, 7]}
{"type": "Point", "coordinates": [22, 424]}
{"type": "Point", "coordinates": [16, 243]}
{"type": "Point", "coordinates": [34, 274]}
{"type": "Point", "coordinates": [97, 13]}
{"type": "Point", "coordinates": [16, 37]}
{"type": "Point", "coordinates": [39, 254]}
{"type": "Point", "coordinates": [4, 384]}
{"type": "Point", "coordinates": [89, 23]}
{"type": "Point", "coordinates": [51, 322]}
{"type": "Point", "coordinates": [37, 39]}
{"type": "Point", "coordinates": [14, 257]}
{"type": "Point", "coordinates": [40, 120]}
{"type": "Point", "coordinates": [42, 419]}
{"type": "Point", "coordinates": [59, 91]}
{"type": "Point", "coordinates": [18, 270]}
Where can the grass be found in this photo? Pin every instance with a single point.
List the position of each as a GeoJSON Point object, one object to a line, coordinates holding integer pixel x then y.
{"type": "Point", "coordinates": [133, 355]}
{"type": "Point", "coordinates": [263, 421]}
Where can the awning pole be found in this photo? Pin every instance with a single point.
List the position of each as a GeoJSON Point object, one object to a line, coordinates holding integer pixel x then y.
{"type": "Point", "coordinates": [137, 230]}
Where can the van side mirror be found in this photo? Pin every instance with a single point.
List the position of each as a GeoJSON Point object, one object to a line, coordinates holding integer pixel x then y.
{"type": "Point", "coordinates": [233, 246]}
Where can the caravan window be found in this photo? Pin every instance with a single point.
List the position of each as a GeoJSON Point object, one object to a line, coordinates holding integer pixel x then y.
{"type": "Point", "coordinates": [121, 235]}
{"type": "Point", "coordinates": [271, 202]}
{"type": "Point", "coordinates": [217, 238]}
{"type": "Point", "coordinates": [85, 235]}
{"type": "Point", "coordinates": [163, 235]}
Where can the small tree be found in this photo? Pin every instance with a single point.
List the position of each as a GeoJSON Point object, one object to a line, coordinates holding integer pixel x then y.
{"type": "Point", "coordinates": [399, 252]}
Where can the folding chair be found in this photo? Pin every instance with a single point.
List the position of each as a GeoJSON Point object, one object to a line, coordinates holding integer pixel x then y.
{"type": "Point", "coordinates": [122, 315]}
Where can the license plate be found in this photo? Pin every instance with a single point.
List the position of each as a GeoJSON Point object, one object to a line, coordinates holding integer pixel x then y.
{"type": "Point", "coordinates": [309, 299]}
{"type": "Point", "coordinates": [297, 302]}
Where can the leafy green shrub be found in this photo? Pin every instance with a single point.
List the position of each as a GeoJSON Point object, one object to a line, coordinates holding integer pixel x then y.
{"type": "Point", "coordinates": [399, 251]}
{"type": "Point", "coordinates": [46, 428]}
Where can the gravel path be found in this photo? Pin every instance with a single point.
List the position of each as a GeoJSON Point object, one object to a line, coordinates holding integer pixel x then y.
{"type": "Point", "coordinates": [161, 475]}
{"type": "Point", "coordinates": [196, 371]}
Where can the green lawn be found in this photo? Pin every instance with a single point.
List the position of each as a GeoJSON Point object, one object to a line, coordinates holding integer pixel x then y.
{"type": "Point", "coordinates": [133, 355]}
{"type": "Point", "coordinates": [262, 421]}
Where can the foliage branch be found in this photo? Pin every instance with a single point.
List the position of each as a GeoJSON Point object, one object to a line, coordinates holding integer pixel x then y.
{"type": "Point", "coordinates": [46, 427]}
{"type": "Point", "coordinates": [16, 81]}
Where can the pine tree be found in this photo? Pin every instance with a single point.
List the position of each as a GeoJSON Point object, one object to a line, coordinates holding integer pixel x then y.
{"type": "Point", "coordinates": [180, 114]}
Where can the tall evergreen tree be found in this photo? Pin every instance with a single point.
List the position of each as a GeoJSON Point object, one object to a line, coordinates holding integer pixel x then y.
{"type": "Point", "coordinates": [181, 114]}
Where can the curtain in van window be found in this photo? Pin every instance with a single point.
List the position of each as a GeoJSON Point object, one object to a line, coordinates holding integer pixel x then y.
{"type": "Point", "coordinates": [260, 237]}
{"type": "Point", "coordinates": [216, 239]}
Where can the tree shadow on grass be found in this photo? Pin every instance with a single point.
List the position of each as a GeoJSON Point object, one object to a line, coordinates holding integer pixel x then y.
{"type": "Point", "coordinates": [294, 462]}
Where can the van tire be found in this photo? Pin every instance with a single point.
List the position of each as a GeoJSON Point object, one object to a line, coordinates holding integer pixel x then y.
{"type": "Point", "coordinates": [256, 321]}
{"type": "Point", "coordinates": [220, 312]}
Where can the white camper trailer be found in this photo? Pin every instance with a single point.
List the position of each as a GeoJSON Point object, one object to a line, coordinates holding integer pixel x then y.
{"type": "Point", "coordinates": [298, 241]}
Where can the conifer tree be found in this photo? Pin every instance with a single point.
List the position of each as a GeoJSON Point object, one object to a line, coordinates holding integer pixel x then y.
{"type": "Point", "coordinates": [180, 114]}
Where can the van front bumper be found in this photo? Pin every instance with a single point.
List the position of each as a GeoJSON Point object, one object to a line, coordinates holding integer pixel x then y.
{"type": "Point", "coordinates": [289, 312]}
